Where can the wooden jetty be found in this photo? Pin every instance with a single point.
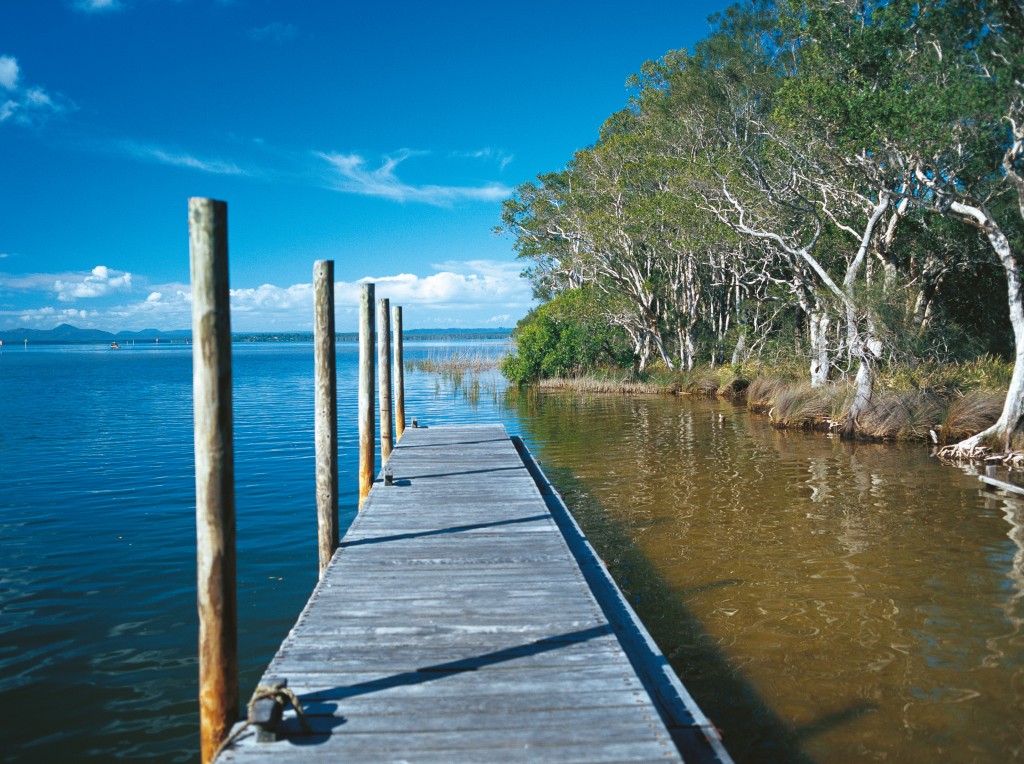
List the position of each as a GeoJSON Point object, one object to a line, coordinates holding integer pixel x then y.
{"type": "Point", "coordinates": [465, 618]}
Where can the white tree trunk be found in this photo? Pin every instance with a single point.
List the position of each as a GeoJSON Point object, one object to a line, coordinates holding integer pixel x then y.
{"type": "Point", "coordinates": [818, 323]}
{"type": "Point", "coordinates": [739, 352]}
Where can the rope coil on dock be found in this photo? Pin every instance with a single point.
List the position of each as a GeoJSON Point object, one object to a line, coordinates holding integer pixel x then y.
{"type": "Point", "coordinates": [282, 698]}
{"type": "Point", "coordinates": [281, 695]}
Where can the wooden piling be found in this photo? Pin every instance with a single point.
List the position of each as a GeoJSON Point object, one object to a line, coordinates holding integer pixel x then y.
{"type": "Point", "coordinates": [398, 371]}
{"type": "Point", "coordinates": [215, 481]}
{"type": "Point", "coordinates": [384, 370]}
{"type": "Point", "coordinates": [326, 426]}
{"type": "Point", "coordinates": [366, 415]}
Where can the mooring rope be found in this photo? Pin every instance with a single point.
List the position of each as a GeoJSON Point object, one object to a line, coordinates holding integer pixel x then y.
{"type": "Point", "coordinates": [279, 693]}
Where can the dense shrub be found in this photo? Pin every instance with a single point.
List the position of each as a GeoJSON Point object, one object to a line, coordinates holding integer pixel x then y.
{"type": "Point", "coordinates": [563, 337]}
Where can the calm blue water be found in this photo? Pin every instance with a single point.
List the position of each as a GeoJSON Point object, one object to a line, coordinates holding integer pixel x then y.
{"type": "Point", "coordinates": [825, 601]}
{"type": "Point", "coordinates": [98, 621]}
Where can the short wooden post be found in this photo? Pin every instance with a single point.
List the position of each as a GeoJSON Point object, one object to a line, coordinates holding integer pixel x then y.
{"type": "Point", "coordinates": [326, 426]}
{"type": "Point", "coordinates": [215, 479]}
{"type": "Point", "coordinates": [384, 370]}
{"type": "Point", "coordinates": [366, 417]}
{"type": "Point", "coordinates": [399, 372]}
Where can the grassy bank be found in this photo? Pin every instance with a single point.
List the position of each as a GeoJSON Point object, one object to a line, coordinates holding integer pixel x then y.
{"type": "Point", "coordinates": [939, 403]}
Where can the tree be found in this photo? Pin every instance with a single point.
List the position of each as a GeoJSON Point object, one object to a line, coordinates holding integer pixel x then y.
{"type": "Point", "coordinates": [930, 96]}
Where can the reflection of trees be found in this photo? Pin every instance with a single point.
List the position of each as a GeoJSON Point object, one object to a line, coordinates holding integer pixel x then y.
{"type": "Point", "coordinates": [1013, 607]}
{"type": "Point", "coordinates": [833, 570]}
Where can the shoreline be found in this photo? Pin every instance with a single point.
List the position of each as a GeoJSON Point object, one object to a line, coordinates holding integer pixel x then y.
{"type": "Point", "coordinates": [935, 416]}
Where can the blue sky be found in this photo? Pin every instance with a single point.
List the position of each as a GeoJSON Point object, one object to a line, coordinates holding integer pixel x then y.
{"type": "Point", "coordinates": [382, 136]}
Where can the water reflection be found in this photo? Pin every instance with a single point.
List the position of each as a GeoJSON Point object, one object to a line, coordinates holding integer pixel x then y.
{"type": "Point", "coordinates": [825, 600]}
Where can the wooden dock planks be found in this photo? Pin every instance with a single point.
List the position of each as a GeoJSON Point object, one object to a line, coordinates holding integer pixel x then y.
{"type": "Point", "coordinates": [458, 622]}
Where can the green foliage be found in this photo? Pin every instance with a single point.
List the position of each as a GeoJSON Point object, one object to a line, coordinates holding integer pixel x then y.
{"type": "Point", "coordinates": [565, 336]}
{"type": "Point", "coordinates": [692, 219]}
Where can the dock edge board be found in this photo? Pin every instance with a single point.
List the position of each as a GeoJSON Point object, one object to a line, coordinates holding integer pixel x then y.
{"type": "Point", "coordinates": [693, 733]}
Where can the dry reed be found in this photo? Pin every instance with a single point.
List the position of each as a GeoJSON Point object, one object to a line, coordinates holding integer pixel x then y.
{"type": "Point", "coordinates": [464, 363]}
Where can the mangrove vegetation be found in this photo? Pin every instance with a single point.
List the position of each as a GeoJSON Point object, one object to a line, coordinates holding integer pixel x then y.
{"type": "Point", "coordinates": [834, 186]}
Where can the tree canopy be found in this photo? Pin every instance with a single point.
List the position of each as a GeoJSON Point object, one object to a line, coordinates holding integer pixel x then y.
{"type": "Point", "coordinates": [841, 178]}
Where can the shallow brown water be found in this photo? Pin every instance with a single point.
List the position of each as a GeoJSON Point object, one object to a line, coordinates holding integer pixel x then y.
{"type": "Point", "coordinates": [824, 601]}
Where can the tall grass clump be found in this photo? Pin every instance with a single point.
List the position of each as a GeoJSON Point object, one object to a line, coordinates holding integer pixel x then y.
{"type": "Point", "coordinates": [969, 413]}
{"type": "Point", "coordinates": [902, 415]}
{"type": "Point", "coordinates": [763, 392]}
{"type": "Point", "coordinates": [802, 406]}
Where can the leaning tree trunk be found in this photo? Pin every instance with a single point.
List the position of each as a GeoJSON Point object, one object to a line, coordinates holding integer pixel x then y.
{"type": "Point", "coordinates": [1010, 425]}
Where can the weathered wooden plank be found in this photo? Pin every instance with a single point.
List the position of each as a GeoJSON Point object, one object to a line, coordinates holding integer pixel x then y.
{"type": "Point", "coordinates": [455, 623]}
{"type": "Point", "coordinates": [366, 750]}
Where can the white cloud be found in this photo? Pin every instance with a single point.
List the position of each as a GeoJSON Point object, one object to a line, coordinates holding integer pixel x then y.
{"type": "Point", "coordinates": [471, 284]}
{"type": "Point", "coordinates": [26, 106]}
{"type": "Point", "coordinates": [353, 177]}
{"type": "Point", "coordinates": [457, 293]}
{"type": "Point", "coordinates": [272, 298]}
{"type": "Point", "coordinates": [275, 32]}
{"type": "Point", "coordinates": [100, 282]}
{"type": "Point", "coordinates": [8, 72]}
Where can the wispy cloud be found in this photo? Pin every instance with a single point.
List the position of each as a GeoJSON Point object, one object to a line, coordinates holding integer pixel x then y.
{"type": "Point", "coordinates": [97, 6]}
{"type": "Point", "coordinates": [23, 105]}
{"type": "Point", "coordinates": [352, 176]}
{"type": "Point", "coordinates": [275, 32]}
{"type": "Point", "coordinates": [161, 155]}
{"type": "Point", "coordinates": [501, 158]}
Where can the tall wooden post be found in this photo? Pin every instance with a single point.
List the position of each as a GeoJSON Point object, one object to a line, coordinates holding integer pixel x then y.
{"type": "Point", "coordinates": [366, 423]}
{"type": "Point", "coordinates": [399, 372]}
{"type": "Point", "coordinates": [326, 427]}
{"type": "Point", "coordinates": [215, 479]}
{"type": "Point", "coordinates": [384, 370]}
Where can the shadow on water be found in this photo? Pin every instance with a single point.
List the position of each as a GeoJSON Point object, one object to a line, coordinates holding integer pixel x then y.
{"type": "Point", "coordinates": [751, 731]}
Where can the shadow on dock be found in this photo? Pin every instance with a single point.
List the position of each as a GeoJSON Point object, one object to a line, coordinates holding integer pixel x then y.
{"type": "Point", "coordinates": [442, 532]}
{"type": "Point", "coordinates": [321, 706]}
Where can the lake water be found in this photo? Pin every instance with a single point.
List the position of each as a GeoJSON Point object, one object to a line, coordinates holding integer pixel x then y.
{"type": "Point", "coordinates": [824, 601]}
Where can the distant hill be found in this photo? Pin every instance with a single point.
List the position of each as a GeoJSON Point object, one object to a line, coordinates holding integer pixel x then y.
{"type": "Point", "coordinates": [66, 334]}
